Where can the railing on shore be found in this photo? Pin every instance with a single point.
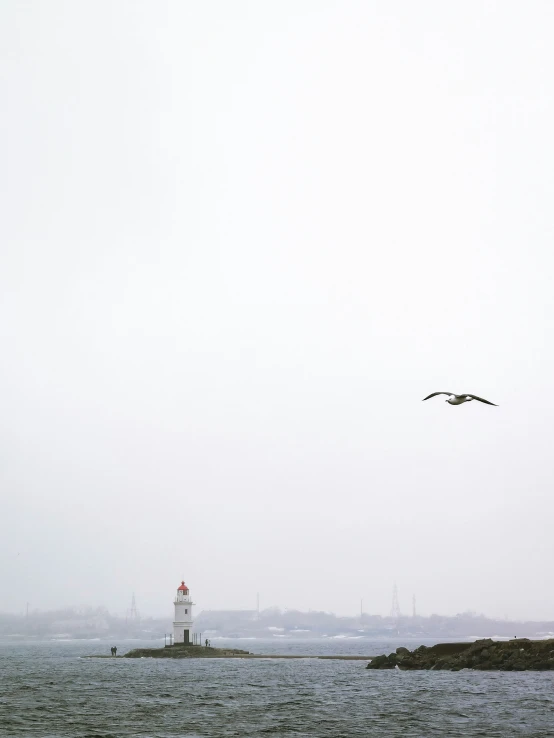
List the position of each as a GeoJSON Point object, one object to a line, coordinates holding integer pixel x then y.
{"type": "Point", "coordinates": [196, 641]}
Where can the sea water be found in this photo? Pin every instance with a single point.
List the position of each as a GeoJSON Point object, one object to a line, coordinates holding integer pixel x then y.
{"type": "Point", "coordinates": [48, 689]}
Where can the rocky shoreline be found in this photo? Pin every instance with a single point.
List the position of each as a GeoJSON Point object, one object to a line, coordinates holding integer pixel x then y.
{"type": "Point", "coordinates": [184, 652]}
{"type": "Point", "coordinates": [198, 652]}
{"type": "Point", "coordinates": [519, 654]}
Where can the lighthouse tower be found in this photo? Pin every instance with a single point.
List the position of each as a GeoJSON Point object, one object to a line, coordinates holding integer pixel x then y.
{"type": "Point", "coordinates": [182, 625]}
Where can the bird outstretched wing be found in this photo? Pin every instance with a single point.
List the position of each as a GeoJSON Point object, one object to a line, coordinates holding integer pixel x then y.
{"type": "Point", "coordinates": [437, 393]}
{"type": "Point", "coordinates": [474, 397]}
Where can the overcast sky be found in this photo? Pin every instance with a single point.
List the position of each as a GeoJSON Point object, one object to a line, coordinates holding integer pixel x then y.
{"type": "Point", "coordinates": [240, 242]}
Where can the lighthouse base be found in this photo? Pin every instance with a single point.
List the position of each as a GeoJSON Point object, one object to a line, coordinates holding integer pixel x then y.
{"type": "Point", "coordinates": [181, 633]}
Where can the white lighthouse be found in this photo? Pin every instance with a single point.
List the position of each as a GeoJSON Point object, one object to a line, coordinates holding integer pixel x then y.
{"type": "Point", "coordinates": [182, 625]}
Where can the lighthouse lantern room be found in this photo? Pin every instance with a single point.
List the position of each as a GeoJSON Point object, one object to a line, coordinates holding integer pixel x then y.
{"type": "Point", "coordinates": [182, 625]}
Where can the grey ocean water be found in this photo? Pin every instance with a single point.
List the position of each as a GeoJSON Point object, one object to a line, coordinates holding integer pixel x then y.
{"type": "Point", "coordinates": [47, 689]}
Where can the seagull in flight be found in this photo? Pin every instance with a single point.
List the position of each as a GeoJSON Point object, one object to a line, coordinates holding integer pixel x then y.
{"type": "Point", "coordinates": [459, 399]}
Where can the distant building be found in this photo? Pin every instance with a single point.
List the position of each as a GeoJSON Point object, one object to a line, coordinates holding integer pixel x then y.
{"type": "Point", "coordinates": [182, 625]}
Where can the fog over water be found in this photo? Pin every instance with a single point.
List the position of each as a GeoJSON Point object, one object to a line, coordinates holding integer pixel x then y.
{"type": "Point", "coordinates": [239, 243]}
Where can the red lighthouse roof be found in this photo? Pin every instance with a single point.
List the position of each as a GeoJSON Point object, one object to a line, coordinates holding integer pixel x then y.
{"type": "Point", "coordinates": [182, 588]}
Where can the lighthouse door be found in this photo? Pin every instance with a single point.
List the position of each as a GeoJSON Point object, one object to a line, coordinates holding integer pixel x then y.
{"type": "Point", "coordinates": [186, 637]}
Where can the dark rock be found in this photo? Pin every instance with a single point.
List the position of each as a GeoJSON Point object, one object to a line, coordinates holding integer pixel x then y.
{"type": "Point", "coordinates": [484, 655]}
{"type": "Point", "coordinates": [380, 662]}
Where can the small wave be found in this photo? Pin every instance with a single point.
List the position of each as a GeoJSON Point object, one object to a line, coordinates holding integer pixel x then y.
{"type": "Point", "coordinates": [493, 638]}
{"type": "Point", "coordinates": [345, 637]}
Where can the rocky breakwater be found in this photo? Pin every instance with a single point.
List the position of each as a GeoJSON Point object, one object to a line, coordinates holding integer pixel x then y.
{"type": "Point", "coordinates": [520, 654]}
{"type": "Point", "coordinates": [185, 652]}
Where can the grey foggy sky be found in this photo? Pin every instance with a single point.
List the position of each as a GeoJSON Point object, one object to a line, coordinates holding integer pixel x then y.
{"type": "Point", "coordinates": [240, 242]}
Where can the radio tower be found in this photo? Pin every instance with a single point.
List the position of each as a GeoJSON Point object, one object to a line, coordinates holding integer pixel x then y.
{"type": "Point", "coordinates": [133, 613]}
{"type": "Point", "coordinates": [395, 609]}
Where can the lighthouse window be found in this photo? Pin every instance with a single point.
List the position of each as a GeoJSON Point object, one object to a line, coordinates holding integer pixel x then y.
{"type": "Point", "coordinates": [186, 611]}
